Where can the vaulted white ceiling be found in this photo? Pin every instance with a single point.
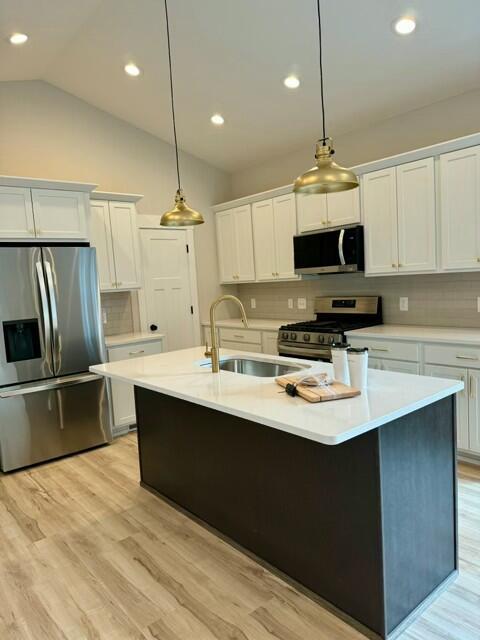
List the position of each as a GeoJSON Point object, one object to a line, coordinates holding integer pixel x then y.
{"type": "Point", "coordinates": [231, 56]}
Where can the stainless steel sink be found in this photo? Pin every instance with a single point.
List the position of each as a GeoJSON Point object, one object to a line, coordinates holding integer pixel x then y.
{"type": "Point", "coordinates": [259, 368]}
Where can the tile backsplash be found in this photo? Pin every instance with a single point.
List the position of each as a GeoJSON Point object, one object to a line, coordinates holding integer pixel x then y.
{"type": "Point", "coordinates": [118, 307]}
{"type": "Point", "coordinates": [441, 299]}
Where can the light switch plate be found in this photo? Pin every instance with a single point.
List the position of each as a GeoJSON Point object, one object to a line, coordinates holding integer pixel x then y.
{"type": "Point", "coordinates": [290, 303]}
{"type": "Point", "coordinates": [403, 304]}
{"type": "Point", "coordinates": [253, 303]}
{"type": "Point", "coordinates": [301, 303]}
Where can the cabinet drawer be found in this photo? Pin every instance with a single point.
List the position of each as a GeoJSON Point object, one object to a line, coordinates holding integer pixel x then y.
{"type": "Point", "coordinates": [241, 335]}
{"type": "Point", "coordinates": [452, 355]}
{"type": "Point", "coordinates": [394, 350]}
{"type": "Point", "coordinates": [137, 350]}
{"type": "Point", "coordinates": [240, 346]}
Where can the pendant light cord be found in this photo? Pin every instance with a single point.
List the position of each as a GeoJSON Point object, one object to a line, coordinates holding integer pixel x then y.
{"type": "Point", "coordinates": [320, 59]}
{"type": "Point", "coordinates": [171, 95]}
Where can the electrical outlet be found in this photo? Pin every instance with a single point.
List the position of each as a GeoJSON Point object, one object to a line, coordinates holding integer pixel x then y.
{"type": "Point", "coordinates": [301, 303]}
{"type": "Point", "coordinates": [290, 303]}
{"type": "Point", "coordinates": [404, 304]}
{"type": "Point", "coordinates": [104, 316]}
{"type": "Point", "coordinates": [253, 303]}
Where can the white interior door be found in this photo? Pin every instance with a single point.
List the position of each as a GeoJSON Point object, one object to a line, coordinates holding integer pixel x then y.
{"type": "Point", "coordinates": [101, 239]}
{"type": "Point", "coordinates": [168, 296]}
{"type": "Point", "coordinates": [263, 240]}
{"type": "Point", "coordinates": [16, 213]}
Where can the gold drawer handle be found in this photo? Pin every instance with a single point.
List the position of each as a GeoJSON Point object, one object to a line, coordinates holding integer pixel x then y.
{"type": "Point", "coordinates": [136, 353]}
{"type": "Point", "coordinates": [379, 349]}
{"type": "Point", "coordinates": [466, 357]}
{"type": "Point", "coordinates": [240, 337]}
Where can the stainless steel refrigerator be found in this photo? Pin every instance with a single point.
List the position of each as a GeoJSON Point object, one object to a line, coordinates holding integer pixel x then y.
{"type": "Point", "coordinates": [50, 333]}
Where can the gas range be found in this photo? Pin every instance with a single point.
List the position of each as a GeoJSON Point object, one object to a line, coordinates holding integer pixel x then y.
{"type": "Point", "coordinates": [334, 316]}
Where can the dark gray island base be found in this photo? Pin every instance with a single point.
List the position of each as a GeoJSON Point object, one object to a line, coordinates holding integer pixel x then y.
{"type": "Point", "coordinates": [368, 525]}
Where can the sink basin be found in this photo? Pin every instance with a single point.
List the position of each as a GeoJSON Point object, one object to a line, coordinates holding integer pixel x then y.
{"type": "Point", "coordinates": [259, 368]}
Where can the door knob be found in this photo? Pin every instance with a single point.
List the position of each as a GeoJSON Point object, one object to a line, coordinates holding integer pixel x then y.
{"type": "Point", "coordinates": [153, 327]}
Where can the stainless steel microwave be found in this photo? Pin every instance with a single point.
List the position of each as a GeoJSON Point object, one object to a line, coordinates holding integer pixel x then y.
{"type": "Point", "coordinates": [335, 251]}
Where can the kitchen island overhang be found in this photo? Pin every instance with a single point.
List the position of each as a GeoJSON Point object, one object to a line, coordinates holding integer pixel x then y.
{"type": "Point", "coordinates": [368, 524]}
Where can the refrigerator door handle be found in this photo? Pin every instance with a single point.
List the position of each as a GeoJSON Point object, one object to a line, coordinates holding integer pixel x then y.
{"type": "Point", "coordinates": [54, 312]}
{"type": "Point", "coordinates": [44, 305]}
{"type": "Point", "coordinates": [50, 385]}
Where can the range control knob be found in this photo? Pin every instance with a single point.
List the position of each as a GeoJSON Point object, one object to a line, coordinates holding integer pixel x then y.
{"type": "Point", "coordinates": [306, 337]}
{"type": "Point", "coordinates": [284, 335]}
{"type": "Point", "coordinates": [321, 339]}
{"type": "Point", "coordinates": [293, 336]}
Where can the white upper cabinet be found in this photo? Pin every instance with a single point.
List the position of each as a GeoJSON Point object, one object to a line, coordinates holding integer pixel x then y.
{"type": "Point", "coordinates": [274, 225]}
{"type": "Point", "coordinates": [285, 227]}
{"type": "Point", "coordinates": [114, 234]}
{"type": "Point", "coordinates": [60, 214]}
{"type": "Point", "coordinates": [123, 221]}
{"type": "Point", "coordinates": [460, 209]}
{"type": "Point", "coordinates": [264, 240]}
{"type": "Point", "coordinates": [235, 245]}
{"type": "Point", "coordinates": [380, 217]}
{"type": "Point", "coordinates": [311, 211]}
{"type": "Point", "coordinates": [416, 216]}
{"type": "Point", "coordinates": [101, 239]}
{"type": "Point", "coordinates": [16, 213]}
{"type": "Point", "coordinates": [343, 208]}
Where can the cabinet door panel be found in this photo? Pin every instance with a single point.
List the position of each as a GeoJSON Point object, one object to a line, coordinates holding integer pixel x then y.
{"type": "Point", "coordinates": [264, 239]}
{"type": "Point", "coordinates": [244, 244]}
{"type": "Point", "coordinates": [125, 244]}
{"type": "Point", "coordinates": [312, 212]}
{"type": "Point", "coordinates": [460, 208]}
{"type": "Point", "coordinates": [416, 216]}
{"type": "Point", "coordinates": [474, 410]}
{"type": "Point", "coordinates": [343, 208]}
{"type": "Point", "coordinates": [60, 214]}
{"type": "Point", "coordinates": [400, 366]}
{"type": "Point", "coordinates": [270, 343]}
{"type": "Point", "coordinates": [101, 239]}
{"type": "Point", "coordinates": [16, 213]}
{"type": "Point", "coordinates": [380, 214]}
{"type": "Point", "coordinates": [285, 227]}
{"type": "Point", "coordinates": [462, 411]}
{"type": "Point", "coordinates": [226, 246]}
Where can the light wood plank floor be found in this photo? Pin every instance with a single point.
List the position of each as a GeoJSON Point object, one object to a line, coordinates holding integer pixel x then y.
{"type": "Point", "coordinates": [86, 553]}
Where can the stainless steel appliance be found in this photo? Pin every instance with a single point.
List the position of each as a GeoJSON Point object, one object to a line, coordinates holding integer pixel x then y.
{"type": "Point", "coordinates": [50, 333]}
{"type": "Point", "coordinates": [312, 339]}
{"type": "Point", "coordinates": [336, 251]}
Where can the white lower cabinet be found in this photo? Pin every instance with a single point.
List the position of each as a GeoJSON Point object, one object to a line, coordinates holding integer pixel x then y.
{"type": "Point", "coordinates": [270, 342]}
{"type": "Point", "coordinates": [462, 400]}
{"type": "Point", "coordinates": [401, 366]}
{"type": "Point", "coordinates": [123, 401]}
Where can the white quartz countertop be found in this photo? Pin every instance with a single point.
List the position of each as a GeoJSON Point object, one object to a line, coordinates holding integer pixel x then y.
{"type": "Point", "coordinates": [258, 324]}
{"type": "Point", "coordinates": [419, 333]}
{"type": "Point", "coordinates": [180, 374]}
{"type": "Point", "coordinates": [132, 338]}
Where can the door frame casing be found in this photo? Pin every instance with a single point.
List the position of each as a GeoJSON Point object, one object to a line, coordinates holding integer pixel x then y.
{"type": "Point", "coordinates": [153, 222]}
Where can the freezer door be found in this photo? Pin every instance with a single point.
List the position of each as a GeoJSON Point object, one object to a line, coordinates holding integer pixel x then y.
{"type": "Point", "coordinates": [25, 345]}
{"type": "Point", "coordinates": [46, 420]}
{"type": "Point", "coordinates": [72, 284]}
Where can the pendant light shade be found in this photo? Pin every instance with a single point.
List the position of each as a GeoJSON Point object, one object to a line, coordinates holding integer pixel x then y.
{"type": "Point", "coordinates": [181, 215]}
{"type": "Point", "coordinates": [327, 176]}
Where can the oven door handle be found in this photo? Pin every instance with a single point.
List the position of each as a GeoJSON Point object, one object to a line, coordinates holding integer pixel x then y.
{"type": "Point", "coordinates": [341, 256]}
{"type": "Point", "coordinates": [314, 353]}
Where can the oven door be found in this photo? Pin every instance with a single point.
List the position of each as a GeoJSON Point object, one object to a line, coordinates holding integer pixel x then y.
{"type": "Point", "coordinates": [337, 251]}
{"type": "Point", "coordinates": [305, 353]}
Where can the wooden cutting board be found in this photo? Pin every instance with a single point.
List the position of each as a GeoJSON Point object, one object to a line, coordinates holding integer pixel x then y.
{"type": "Point", "coordinates": [334, 391]}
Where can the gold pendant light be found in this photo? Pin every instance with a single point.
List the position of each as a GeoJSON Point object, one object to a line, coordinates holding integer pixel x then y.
{"type": "Point", "coordinates": [181, 215]}
{"type": "Point", "coordinates": [326, 176]}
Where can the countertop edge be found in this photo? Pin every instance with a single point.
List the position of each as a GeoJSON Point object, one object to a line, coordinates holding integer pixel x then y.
{"type": "Point", "coordinates": [131, 338]}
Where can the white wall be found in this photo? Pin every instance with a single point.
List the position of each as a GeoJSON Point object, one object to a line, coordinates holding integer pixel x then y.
{"type": "Point", "coordinates": [47, 133]}
{"type": "Point", "coordinates": [452, 118]}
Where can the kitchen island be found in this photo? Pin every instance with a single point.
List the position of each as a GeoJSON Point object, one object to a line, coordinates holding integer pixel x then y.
{"type": "Point", "coordinates": [353, 499]}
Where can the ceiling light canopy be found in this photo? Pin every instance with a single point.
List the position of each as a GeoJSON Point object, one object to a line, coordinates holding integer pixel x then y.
{"type": "Point", "coordinates": [405, 26]}
{"type": "Point", "coordinates": [217, 119]}
{"type": "Point", "coordinates": [18, 38]}
{"type": "Point", "coordinates": [131, 69]}
{"type": "Point", "coordinates": [292, 82]}
{"type": "Point", "coordinates": [326, 176]}
{"type": "Point", "coordinates": [181, 215]}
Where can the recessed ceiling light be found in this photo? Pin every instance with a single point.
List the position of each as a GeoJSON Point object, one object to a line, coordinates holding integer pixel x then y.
{"type": "Point", "coordinates": [18, 38]}
{"type": "Point", "coordinates": [217, 119]}
{"type": "Point", "coordinates": [132, 69]}
{"type": "Point", "coordinates": [404, 26]}
{"type": "Point", "coordinates": [292, 82]}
